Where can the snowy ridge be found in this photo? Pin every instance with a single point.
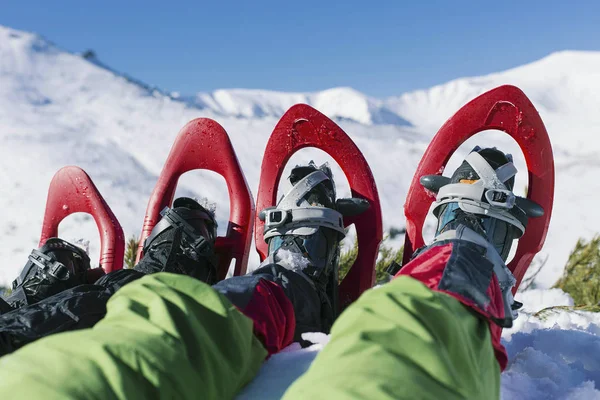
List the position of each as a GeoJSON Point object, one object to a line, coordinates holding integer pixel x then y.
{"type": "Point", "coordinates": [338, 103]}
{"type": "Point", "coordinates": [563, 86]}
{"type": "Point", "coordinates": [58, 108]}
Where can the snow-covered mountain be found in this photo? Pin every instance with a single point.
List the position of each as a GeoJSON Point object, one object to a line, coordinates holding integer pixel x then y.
{"type": "Point", "coordinates": [59, 108]}
{"type": "Point", "coordinates": [338, 103]}
{"type": "Point", "coordinates": [563, 86]}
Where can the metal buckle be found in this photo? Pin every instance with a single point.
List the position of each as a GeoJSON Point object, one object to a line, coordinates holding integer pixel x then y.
{"type": "Point", "coordinates": [59, 271]}
{"type": "Point", "coordinates": [502, 198]}
{"type": "Point", "coordinates": [275, 218]}
{"type": "Point", "coordinates": [50, 266]}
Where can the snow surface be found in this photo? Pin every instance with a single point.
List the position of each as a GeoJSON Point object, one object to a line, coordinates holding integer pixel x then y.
{"type": "Point", "coordinates": [57, 109]}
{"type": "Point", "coordinates": [554, 358]}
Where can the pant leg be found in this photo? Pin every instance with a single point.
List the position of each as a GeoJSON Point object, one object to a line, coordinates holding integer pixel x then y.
{"type": "Point", "coordinates": [79, 307]}
{"type": "Point", "coordinates": [76, 308]}
{"type": "Point", "coordinates": [282, 304]}
{"type": "Point", "coordinates": [164, 336]}
{"type": "Point", "coordinates": [404, 341]}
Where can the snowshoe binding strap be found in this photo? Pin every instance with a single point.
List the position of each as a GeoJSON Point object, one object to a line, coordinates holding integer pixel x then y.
{"type": "Point", "coordinates": [488, 177]}
{"type": "Point", "coordinates": [296, 197]}
{"type": "Point", "coordinates": [194, 245]}
{"type": "Point", "coordinates": [178, 218]}
{"type": "Point", "coordinates": [294, 215]}
{"type": "Point", "coordinates": [489, 195]}
{"type": "Point", "coordinates": [48, 265]}
{"type": "Point", "coordinates": [301, 221]}
{"type": "Point", "coordinates": [433, 183]}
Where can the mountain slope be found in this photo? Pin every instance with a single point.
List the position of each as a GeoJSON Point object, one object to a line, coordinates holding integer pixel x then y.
{"type": "Point", "coordinates": [337, 103]}
{"type": "Point", "coordinates": [563, 86]}
{"type": "Point", "coordinates": [58, 108]}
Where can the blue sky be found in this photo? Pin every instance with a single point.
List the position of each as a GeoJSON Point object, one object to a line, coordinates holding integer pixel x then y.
{"type": "Point", "coordinates": [382, 48]}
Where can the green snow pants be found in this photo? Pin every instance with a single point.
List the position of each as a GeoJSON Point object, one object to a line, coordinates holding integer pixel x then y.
{"type": "Point", "coordinates": [170, 336]}
{"type": "Point", "coordinates": [404, 341]}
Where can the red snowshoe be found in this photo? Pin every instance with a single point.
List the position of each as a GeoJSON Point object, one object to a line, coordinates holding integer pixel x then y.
{"type": "Point", "coordinates": [204, 144]}
{"type": "Point", "coordinates": [72, 191]}
{"type": "Point", "coordinates": [507, 109]}
{"type": "Point", "coordinates": [303, 126]}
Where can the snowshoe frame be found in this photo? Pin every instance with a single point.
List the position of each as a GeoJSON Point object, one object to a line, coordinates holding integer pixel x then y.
{"type": "Point", "coordinates": [203, 144]}
{"type": "Point", "coordinates": [505, 108]}
{"type": "Point", "coordinates": [303, 126]}
{"type": "Point", "coordinates": [72, 190]}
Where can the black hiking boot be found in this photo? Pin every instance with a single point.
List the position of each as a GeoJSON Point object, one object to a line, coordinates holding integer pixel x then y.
{"type": "Point", "coordinates": [304, 231]}
{"type": "Point", "coordinates": [56, 266]}
{"type": "Point", "coordinates": [182, 242]}
{"type": "Point", "coordinates": [488, 205]}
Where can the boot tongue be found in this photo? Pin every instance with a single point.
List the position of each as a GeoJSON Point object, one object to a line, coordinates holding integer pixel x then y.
{"type": "Point", "coordinates": [494, 157]}
{"type": "Point", "coordinates": [322, 194]}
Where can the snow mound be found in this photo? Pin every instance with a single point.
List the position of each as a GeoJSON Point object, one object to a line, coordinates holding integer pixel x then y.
{"type": "Point", "coordinates": [553, 358]}
{"type": "Point", "coordinates": [563, 86]}
{"type": "Point", "coordinates": [283, 368]}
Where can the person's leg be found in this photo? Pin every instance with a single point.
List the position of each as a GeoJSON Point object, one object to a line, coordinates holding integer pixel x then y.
{"type": "Point", "coordinates": [77, 308]}
{"type": "Point", "coordinates": [164, 336]}
{"type": "Point", "coordinates": [404, 341]}
{"type": "Point", "coordinates": [434, 331]}
{"type": "Point", "coordinates": [300, 274]}
{"type": "Point", "coordinates": [47, 304]}
{"type": "Point", "coordinates": [281, 303]}
{"type": "Point", "coordinates": [286, 296]}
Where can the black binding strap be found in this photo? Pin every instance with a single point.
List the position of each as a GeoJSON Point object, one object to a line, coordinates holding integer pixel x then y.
{"type": "Point", "coordinates": [46, 264]}
{"type": "Point", "coordinates": [172, 219]}
{"type": "Point", "coordinates": [49, 265]}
